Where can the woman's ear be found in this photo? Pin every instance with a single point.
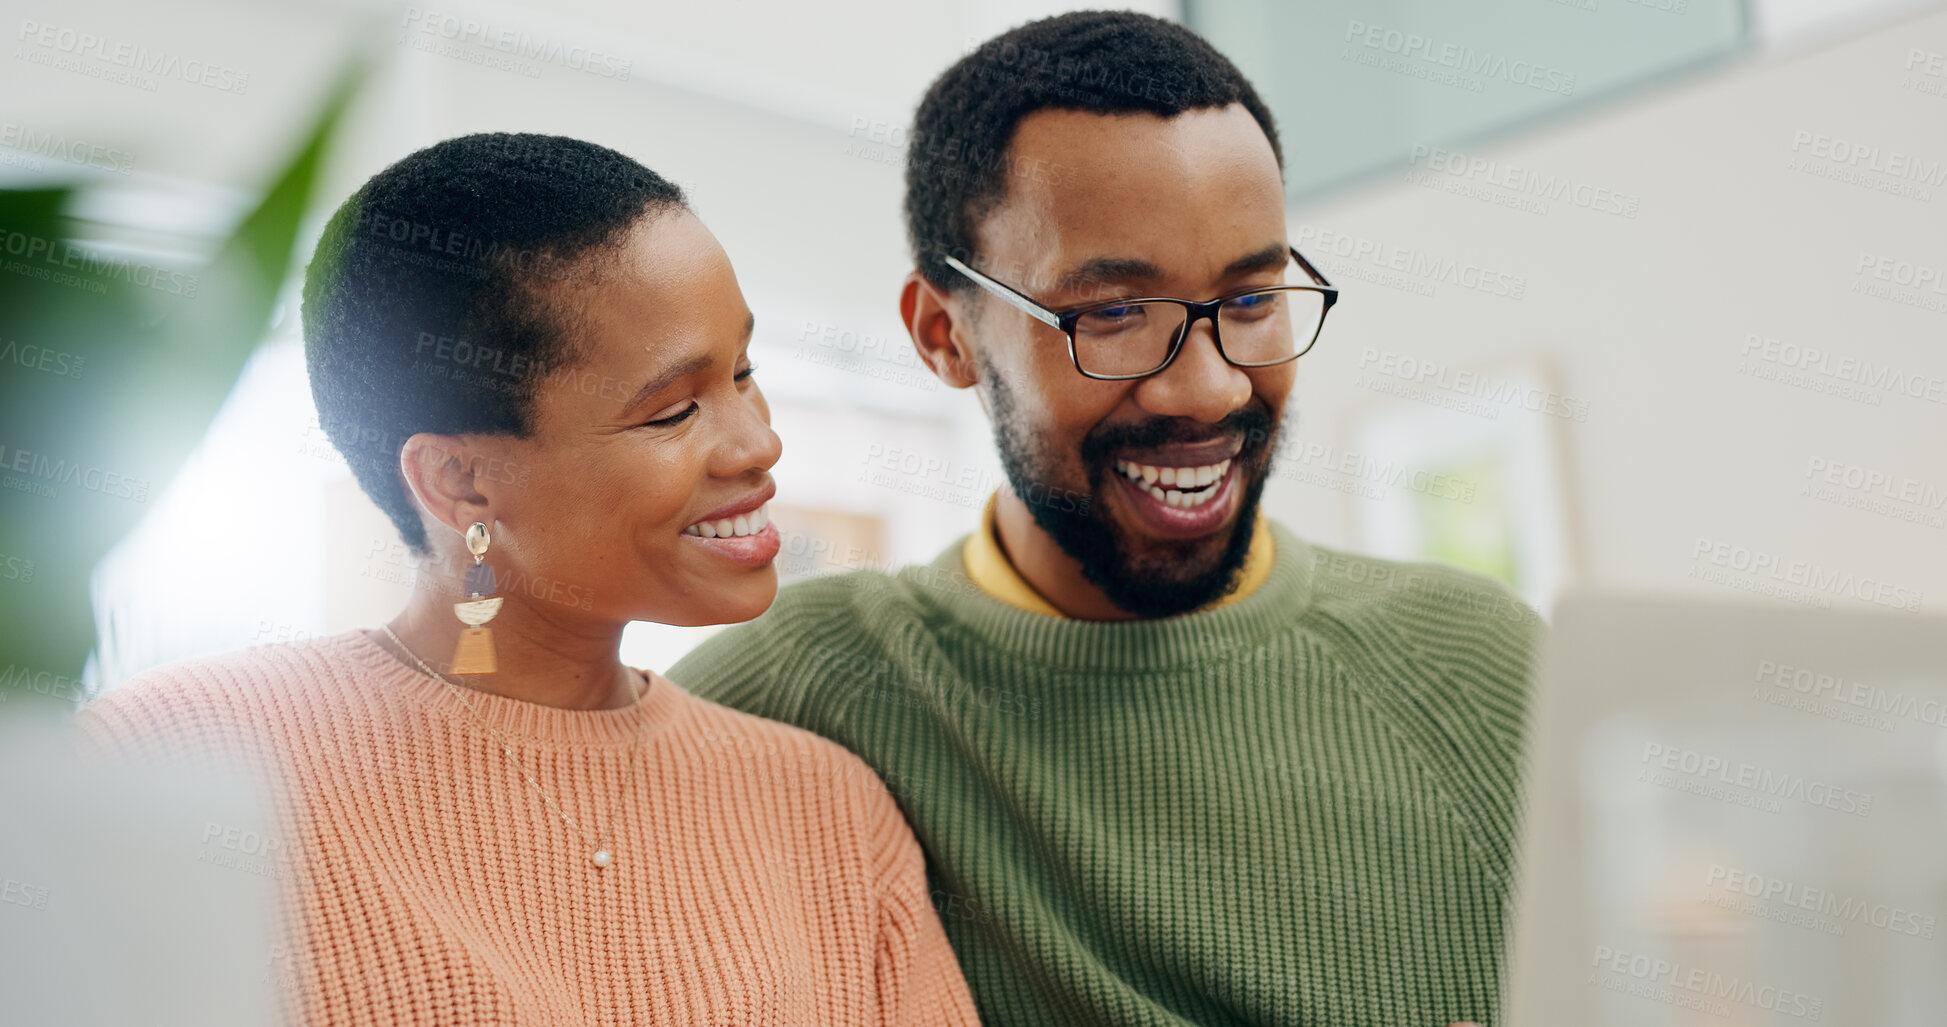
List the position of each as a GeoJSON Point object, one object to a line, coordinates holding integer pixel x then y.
{"type": "Point", "coordinates": [938, 331]}
{"type": "Point", "coordinates": [439, 470]}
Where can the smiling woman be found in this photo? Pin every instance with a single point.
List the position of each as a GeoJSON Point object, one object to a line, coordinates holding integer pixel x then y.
{"type": "Point", "coordinates": [560, 838]}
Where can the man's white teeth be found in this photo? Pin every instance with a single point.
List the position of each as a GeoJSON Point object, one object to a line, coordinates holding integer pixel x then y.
{"type": "Point", "coordinates": [1153, 479]}
{"type": "Point", "coordinates": [731, 527]}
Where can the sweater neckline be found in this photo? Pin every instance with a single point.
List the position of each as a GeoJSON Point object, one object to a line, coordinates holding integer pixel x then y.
{"type": "Point", "coordinates": [517, 719]}
{"type": "Point", "coordinates": [1145, 646]}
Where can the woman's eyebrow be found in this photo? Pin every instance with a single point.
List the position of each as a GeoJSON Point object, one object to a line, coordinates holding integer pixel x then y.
{"type": "Point", "coordinates": [668, 377]}
{"type": "Point", "coordinates": [688, 367]}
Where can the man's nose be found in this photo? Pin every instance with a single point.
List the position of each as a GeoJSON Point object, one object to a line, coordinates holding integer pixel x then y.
{"type": "Point", "coordinates": [1199, 383]}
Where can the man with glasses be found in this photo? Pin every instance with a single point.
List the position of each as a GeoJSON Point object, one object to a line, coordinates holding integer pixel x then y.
{"type": "Point", "coordinates": [1171, 763]}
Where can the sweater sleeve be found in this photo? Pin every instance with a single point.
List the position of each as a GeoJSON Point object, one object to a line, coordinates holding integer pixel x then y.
{"type": "Point", "coordinates": [920, 984]}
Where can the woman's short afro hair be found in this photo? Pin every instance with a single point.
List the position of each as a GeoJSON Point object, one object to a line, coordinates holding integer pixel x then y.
{"type": "Point", "coordinates": [435, 302]}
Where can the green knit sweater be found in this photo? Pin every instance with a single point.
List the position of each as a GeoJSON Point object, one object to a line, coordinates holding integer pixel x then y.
{"type": "Point", "coordinates": [1299, 808]}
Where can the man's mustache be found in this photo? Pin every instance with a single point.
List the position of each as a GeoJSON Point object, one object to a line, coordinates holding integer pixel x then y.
{"type": "Point", "coordinates": [1252, 423]}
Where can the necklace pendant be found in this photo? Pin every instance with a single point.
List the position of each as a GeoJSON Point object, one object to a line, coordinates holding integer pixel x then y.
{"type": "Point", "coordinates": [602, 858]}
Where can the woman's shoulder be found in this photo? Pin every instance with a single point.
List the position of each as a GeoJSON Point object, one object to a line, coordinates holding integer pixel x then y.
{"type": "Point", "coordinates": [217, 701]}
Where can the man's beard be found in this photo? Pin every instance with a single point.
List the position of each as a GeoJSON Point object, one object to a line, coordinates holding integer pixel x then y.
{"type": "Point", "coordinates": [1172, 576]}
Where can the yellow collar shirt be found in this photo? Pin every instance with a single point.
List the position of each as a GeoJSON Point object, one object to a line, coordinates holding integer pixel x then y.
{"type": "Point", "coordinates": [990, 569]}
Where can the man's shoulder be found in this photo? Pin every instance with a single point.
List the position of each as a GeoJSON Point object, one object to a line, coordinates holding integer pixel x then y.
{"type": "Point", "coordinates": [726, 729]}
{"type": "Point", "coordinates": [1415, 594]}
{"type": "Point", "coordinates": [843, 603]}
{"type": "Point", "coordinates": [1413, 624]}
{"type": "Point", "coordinates": [818, 631]}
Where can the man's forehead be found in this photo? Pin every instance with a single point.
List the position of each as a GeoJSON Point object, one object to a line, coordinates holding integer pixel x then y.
{"type": "Point", "coordinates": [1095, 198]}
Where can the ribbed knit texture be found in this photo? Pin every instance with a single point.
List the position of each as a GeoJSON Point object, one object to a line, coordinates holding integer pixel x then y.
{"type": "Point", "coordinates": [762, 875]}
{"type": "Point", "coordinates": [1299, 808]}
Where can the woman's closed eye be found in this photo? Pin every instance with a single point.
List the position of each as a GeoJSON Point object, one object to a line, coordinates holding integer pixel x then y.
{"type": "Point", "coordinates": [673, 420]}
{"type": "Point", "coordinates": [690, 408]}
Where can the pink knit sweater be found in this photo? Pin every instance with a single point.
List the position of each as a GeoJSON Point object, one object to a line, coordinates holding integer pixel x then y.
{"type": "Point", "coordinates": [762, 875]}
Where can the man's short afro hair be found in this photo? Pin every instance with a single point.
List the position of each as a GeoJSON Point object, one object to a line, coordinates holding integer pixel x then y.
{"type": "Point", "coordinates": [1103, 62]}
{"type": "Point", "coordinates": [436, 299]}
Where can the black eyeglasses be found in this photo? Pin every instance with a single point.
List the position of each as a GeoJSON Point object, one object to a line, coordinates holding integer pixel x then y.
{"type": "Point", "coordinates": [1136, 337]}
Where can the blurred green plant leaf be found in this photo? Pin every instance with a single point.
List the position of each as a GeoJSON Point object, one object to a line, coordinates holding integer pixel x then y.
{"type": "Point", "coordinates": [111, 370]}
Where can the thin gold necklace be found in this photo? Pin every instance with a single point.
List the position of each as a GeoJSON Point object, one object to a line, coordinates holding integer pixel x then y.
{"type": "Point", "coordinates": [600, 854]}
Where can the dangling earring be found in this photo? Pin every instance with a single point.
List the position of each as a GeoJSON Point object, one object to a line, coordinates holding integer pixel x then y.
{"type": "Point", "coordinates": [475, 653]}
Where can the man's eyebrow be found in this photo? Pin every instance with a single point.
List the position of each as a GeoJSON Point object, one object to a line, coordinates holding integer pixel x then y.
{"type": "Point", "coordinates": [669, 377]}
{"type": "Point", "coordinates": [1270, 258]}
{"type": "Point", "coordinates": [1103, 270]}
{"type": "Point", "coordinates": [1106, 270]}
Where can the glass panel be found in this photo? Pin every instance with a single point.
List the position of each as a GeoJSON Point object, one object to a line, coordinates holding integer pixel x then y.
{"type": "Point", "coordinates": [1360, 87]}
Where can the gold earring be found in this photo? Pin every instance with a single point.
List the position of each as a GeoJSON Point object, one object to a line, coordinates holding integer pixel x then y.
{"type": "Point", "coordinates": [475, 652]}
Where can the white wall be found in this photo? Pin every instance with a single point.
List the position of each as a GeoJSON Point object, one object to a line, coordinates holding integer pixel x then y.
{"type": "Point", "coordinates": [1647, 318]}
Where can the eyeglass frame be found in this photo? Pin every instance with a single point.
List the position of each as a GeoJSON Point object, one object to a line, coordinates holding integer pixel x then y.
{"type": "Point", "coordinates": [1195, 311]}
